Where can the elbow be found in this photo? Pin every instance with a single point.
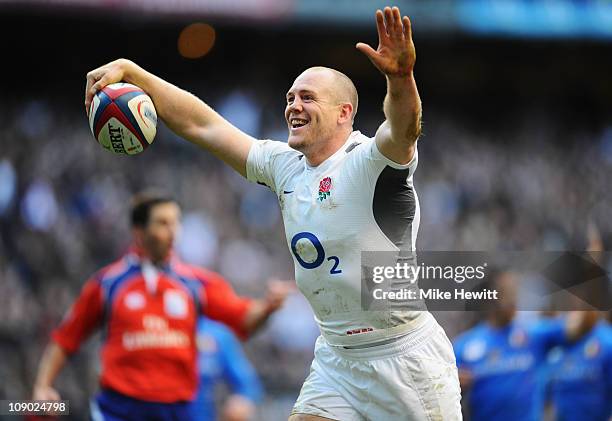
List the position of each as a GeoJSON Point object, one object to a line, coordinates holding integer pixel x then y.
{"type": "Point", "coordinates": [415, 130]}
{"type": "Point", "coordinates": [409, 135]}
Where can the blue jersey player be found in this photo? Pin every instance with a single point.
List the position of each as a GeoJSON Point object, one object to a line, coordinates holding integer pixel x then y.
{"type": "Point", "coordinates": [500, 359]}
{"type": "Point", "coordinates": [221, 360]}
{"type": "Point", "coordinates": [580, 382]}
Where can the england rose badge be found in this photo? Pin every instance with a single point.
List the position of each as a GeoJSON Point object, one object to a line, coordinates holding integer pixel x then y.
{"type": "Point", "coordinates": [324, 188]}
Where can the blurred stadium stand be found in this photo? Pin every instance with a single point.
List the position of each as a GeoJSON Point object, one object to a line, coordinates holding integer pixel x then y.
{"type": "Point", "coordinates": [516, 152]}
{"type": "Point", "coordinates": [515, 18]}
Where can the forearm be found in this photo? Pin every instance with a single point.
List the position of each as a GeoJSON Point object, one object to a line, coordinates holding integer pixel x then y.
{"type": "Point", "coordinates": [238, 408]}
{"type": "Point", "coordinates": [182, 111]}
{"type": "Point", "coordinates": [402, 109]}
{"type": "Point", "coordinates": [53, 360]}
{"type": "Point", "coordinates": [580, 322]}
{"type": "Point", "coordinates": [257, 315]}
{"type": "Point", "coordinates": [191, 118]}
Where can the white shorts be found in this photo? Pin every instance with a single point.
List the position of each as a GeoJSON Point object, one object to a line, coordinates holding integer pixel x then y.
{"type": "Point", "coordinates": [411, 378]}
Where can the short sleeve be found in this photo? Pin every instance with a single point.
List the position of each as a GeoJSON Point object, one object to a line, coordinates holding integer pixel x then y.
{"type": "Point", "coordinates": [221, 303]}
{"type": "Point", "coordinates": [237, 370]}
{"type": "Point", "coordinates": [366, 163]}
{"type": "Point", "coordinates": [379, 157]}
{"type": "Point", "coordinates": [266, 160]}
{"type": "Point", "coordinates": [81, 319]}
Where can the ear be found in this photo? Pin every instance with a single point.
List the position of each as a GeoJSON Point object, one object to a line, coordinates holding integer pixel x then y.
{"type": "Point", "coordinates": [346, 113]}
{"type": "Point", "coordinates": [138, 236]}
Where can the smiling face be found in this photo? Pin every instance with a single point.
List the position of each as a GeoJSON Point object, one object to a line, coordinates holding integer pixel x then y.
{"type": "Point", "coordinates": [319, 111]}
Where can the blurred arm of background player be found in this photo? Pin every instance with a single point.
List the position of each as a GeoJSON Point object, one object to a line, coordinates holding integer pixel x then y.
{"type": "Point", "coordinates": [242, 379]}
{"type": "Point", "coordinates": [580, 322]}
{"type": "Point", "coordinates": [53, 360]}
{"type": "Point", "coordinates": [184, 113]}
{"type": "Point", "coordinates": [261, 310]}
{"type": "Point", "coordinates": [395, 58]}
{"type": "Point", "coordinates": [54, 357]}
{"type": "Point", "coordinates": [238, 408]}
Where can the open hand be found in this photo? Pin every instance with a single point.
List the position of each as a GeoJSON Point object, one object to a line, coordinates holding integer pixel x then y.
{"type": "Point", "coordinates": [45, 393]}
{"type": "Point", "coordinates": [277, 292]}
{"type": "Point", "coordinates": [395, 55]}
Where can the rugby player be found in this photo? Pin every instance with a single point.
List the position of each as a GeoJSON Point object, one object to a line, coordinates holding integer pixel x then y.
{"type": "Point", "coordinates": [502, 360]}
{"type": "Point", "coordinates": [340, 193]}
{"type": "Point", "coordinates": [580, 373]}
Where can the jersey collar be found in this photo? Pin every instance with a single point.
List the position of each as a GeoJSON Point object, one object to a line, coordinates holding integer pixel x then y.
{"type": "Point", "coordinates": [334, 157]}
{"type": "Point", "coordinates": [136, 255]}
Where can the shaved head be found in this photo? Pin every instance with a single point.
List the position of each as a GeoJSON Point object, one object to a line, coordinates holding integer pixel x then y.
{"type": "Point", "coordinates": [340, 86]}
{"type": "Point", "coordinates": [321, 106]}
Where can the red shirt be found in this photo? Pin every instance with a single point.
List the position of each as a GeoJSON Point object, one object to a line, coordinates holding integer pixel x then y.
{"type": "Point", "coordinates": [149, 350]}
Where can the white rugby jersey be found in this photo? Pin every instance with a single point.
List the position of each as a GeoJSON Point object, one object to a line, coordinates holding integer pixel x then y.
{"type": "Point", "coordinates": [355, 200]}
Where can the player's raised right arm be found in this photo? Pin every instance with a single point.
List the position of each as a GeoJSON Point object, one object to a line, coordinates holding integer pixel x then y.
{"type": "Point", "coordinates": [183, 113]}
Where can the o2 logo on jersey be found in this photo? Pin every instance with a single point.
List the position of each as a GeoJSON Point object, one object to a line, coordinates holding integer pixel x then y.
{"type": "Point", "coordinates": [309, 252]}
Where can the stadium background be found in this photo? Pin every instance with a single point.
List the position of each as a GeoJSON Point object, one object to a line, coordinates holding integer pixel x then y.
{"type": "Point", "coordinates": [516, 152]}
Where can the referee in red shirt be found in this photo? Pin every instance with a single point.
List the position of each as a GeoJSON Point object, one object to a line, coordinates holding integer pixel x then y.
{"type": "Point", "coordinates": [147, 304]}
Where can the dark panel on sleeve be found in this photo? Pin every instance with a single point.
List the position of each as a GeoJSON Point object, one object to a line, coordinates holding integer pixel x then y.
{"type": "Point", "coordinates": [394, 206]}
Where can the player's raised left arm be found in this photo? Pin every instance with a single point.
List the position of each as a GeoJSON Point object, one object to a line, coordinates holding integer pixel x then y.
{"type": "Point", "coordinates": [395, 58]}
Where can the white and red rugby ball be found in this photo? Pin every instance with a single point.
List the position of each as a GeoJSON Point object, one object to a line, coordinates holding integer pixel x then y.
{"type": "Point", "coordinates": [123, 119]}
